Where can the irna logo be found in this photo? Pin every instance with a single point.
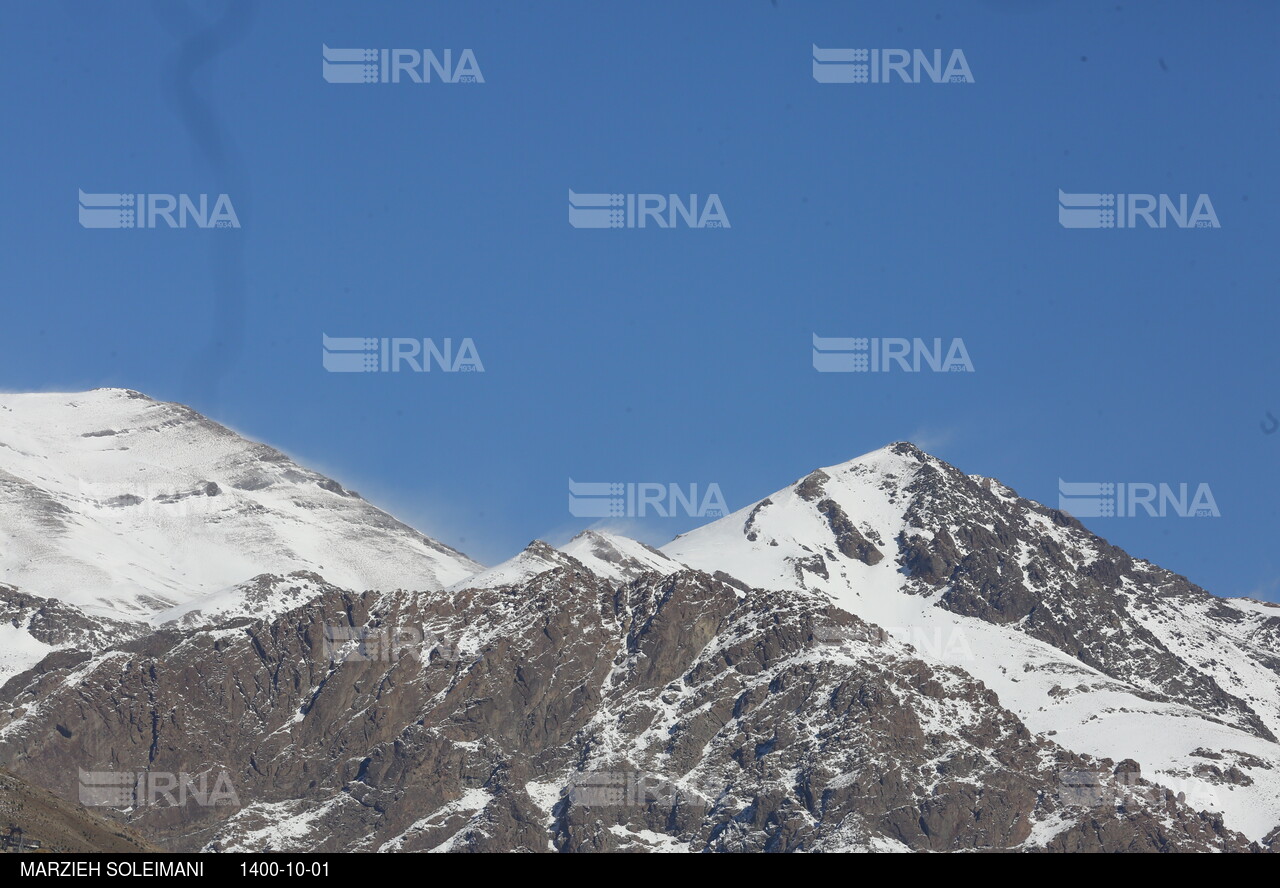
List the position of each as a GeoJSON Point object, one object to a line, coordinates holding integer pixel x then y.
{"type": "Point", "coordinates": [1124, 211]}
{"type": "Point", "coordinates": [1110, 499]}
{"type": "Point", "coordinates": [347, 354]}
{"type": "Point", "coordinates": [1128, 789]}
{"type": "Point", "coordinates": [150, 210]}
{"type": "Point", "coordinates": [874, 355]}
{"type": "Point", "coordinates": [615, 789]}
{"type": "Point", "coordinates": [888, 65]}
{"type": "Point", "coordinates": [368, 644]}
{"type": "Point", "coordinates": [619, 499]}
{"type": "Point", "coordinates": [399, 65]}
{"type": "Point", "coordinates": [646, 211]}
{"type": "Point", "coordinates": [142, 789]}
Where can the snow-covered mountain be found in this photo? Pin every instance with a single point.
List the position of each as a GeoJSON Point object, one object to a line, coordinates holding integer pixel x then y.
{"type": "Point", "coordinates": [535, 558]}
{"type": "Point", "coordinates": [128, 506]}
{"type": "Point", "coordinates": [618, 558]}
{"type": "Point", "coordinates": [887, 654]}
{"type": "Point", "coordinates": [1108, 655]}
{"type": "Point", "coordinates": [615, 558]}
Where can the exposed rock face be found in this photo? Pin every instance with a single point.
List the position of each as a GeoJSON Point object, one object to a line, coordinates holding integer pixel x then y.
{"type": "Point", "coordinates": [57, 624]}
{"type": "Point", "coordinates": [61, 826]}
{"type": "Point", "coordinates": [1071, 589]}
{"type": "Point", "coordinates": [567, 713]}
{"type": "Point", "coordinates": [33, 627]}
{"type": "Point", "coordinates": [813, 486]}
{"type": "Point", "coordinates": [748, 528]}
{"type": "Point", "coordinates": [852, 544]}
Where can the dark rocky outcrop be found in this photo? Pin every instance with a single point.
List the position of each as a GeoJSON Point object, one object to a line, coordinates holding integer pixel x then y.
{"type": "Point", "coordinates": [569, 714]}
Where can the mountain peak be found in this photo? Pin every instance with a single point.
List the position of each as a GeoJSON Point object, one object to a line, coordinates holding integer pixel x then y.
{"type": "Point", "coordinates": [899, 452]}
{"type": "Point", "coordinates": [618, 558]}
{"type": "Point", "coordinates": [94, 484]}
{"type": "Point", "coordinates": [906, 448]}
{"type": "Point", "coordinates": [1048, 615]}
{"type": "Point", "coordinates": [116, 390]}
{"type": "Point", "coordinates": [535, 558]}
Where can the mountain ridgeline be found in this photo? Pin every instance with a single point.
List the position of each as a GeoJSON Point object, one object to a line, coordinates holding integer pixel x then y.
{"type": "Point", "coordinates": [886, 655]}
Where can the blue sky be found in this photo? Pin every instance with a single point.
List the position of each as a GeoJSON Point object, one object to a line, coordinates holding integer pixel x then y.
{"type": "Point", "coordinates": [670, 355]}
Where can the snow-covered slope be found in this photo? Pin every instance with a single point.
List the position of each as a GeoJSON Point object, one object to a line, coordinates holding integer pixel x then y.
{"type": "Point", "coordinates": [31, 628]}
{"type": "Point", "coordinates": [127, 506]}
{"type": "Point", "coordinates": [262, 598]}
{"type": "Point", "coordinates": [1107, 655]}
{"type": "Point", "coordinates": [617, 558]}
{"type": "Point", "coordinates": [533, 559]}
{"type": "Point", "coordinates": [785, 542]}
